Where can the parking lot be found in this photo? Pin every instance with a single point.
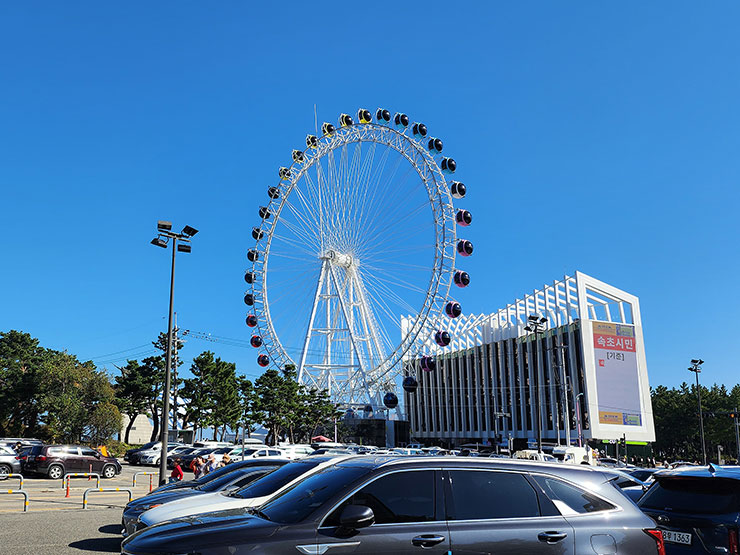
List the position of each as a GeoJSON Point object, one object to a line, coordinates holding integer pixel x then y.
{"type": "Point", "coordinates": [58, 524]}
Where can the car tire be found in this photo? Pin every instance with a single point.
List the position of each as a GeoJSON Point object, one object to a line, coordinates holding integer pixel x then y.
{"type": "Point", "coordinates": [55, 472]}
{"type": "Point", "coordinates": [109, 471]}
{"type": "Point", "coordinates": [4, 471]}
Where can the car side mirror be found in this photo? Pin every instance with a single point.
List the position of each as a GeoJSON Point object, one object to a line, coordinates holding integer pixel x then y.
{"type": "Point", "coordinates": [356, 516]}
{"type": "Point", "coordinates": [97, 455]}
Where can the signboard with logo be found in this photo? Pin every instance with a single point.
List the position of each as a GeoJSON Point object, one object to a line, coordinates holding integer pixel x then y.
{"type": "Point", "coordinates": [617, 378]}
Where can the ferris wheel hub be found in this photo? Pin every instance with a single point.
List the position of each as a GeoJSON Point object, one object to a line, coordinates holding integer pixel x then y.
{"type": "Point", "coordinates": [340, 259]}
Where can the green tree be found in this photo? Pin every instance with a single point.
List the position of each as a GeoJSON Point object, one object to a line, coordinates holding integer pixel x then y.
{"type": "Point", "coordinates": [21, 358]}
{"type": "Point", "coordinates": [276, 397]}
{"type": "Point", "coordinates": [250, 416]}
{"type": "Point", "coordinates": [104, 421]}
{"type": "Point", "coordinates": [152, 372]}
{"type": "Point", "coordinates": [196, 391]}
{"type": "Point", "coordinates": [69, 393]}
{"type": "Point", "coordinates": [132, 393]}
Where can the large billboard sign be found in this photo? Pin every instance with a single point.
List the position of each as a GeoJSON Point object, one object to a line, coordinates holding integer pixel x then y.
{"type": "Point", "coordinates": [617, 376]}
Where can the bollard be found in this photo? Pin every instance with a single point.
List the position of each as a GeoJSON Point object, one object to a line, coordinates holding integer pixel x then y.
{"type": "Point", "coordinates": [90, 475]}
{"type": "Point", "coordinates": [19, 476]}
{"type": "Point", "coordinates": [19, 492]}
{"type": "Point", "coordinates": [90, 490]}
{"type": "Point", "coordinates": [150, 474]}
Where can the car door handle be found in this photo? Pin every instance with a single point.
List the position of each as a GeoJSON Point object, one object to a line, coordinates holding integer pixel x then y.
{"type": "Point", "coordinates": [551, 537]}
{"type": "Point", "coordinates": [427, 540]}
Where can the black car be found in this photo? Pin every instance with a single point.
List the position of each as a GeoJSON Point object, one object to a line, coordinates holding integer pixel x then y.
{"type": "Point", "coordinates": [230, 480]}
{"type": "Point", "coordinates": [369, 505]}
{"type": "Point", "coordinates": [697, 509]}
{"type": "Point", "coordinates": [55, 461]}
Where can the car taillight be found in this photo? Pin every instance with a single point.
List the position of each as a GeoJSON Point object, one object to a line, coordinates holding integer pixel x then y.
{"type": "Point", "coordinates": [41, 458]}
{"type": "Point", "coordinates": [658, 537]}
{"type": "Point", "coordinates": [732, 543]}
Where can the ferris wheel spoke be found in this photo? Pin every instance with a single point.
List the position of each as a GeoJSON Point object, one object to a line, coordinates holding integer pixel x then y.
{"type": "Point", "coordinates": [392, 278]}
{"type": "Point", "coordinates": [381, 233]}
{"type": "Point", "coordinates": [300, 226]}
{"type": "Point", "coordinates": [297, 244]}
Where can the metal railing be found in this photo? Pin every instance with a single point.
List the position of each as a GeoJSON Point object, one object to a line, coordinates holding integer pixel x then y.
{"type": "Point", "coordinates": [18, 476]}
{"type": "Point", "coordinates": [65, 479]}
{"type": "Point", "coordinates": [18, 492]}
{"type": "Point", "coordinates": [150, 474]}
{"type": "Point", "coordinates": [91, 490]}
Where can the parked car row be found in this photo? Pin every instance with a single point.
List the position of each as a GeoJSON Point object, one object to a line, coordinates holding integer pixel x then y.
{"type": "Point", "coordinates": [372, 504]}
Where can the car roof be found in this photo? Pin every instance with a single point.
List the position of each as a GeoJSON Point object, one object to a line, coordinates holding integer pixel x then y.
{"type": "Point", "coordinates": [376, 461]}
{"type": "Point", "coordinates": [709, 471]}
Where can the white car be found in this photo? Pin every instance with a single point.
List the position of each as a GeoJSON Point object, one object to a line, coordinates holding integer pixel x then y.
{"type": "Point", "coordinates": [151, 457]}
{"type": "Point", "coordinates": [254, 451]}
{"type": "Point", "coordinates": [252, 495]}
{"type": "Point", "coordinates": [294, 452]}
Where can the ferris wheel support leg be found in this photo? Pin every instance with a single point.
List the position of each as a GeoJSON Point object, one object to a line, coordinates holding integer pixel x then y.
{"type": "Point", "coordinates": [363, 372]}
{"type": "Point", "coordinates": [319, 285]}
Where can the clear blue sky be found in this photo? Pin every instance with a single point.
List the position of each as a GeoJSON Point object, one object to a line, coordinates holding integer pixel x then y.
{"type": "Point", "coordinates": [594, 136]}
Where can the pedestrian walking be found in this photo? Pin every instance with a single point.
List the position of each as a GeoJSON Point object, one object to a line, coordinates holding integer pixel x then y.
{"type": "Point", "coordinates": [177, 474]}
{"type": "Point", "coordinates": [197, 467]}
{"type": "Point", "coordinates": [210, 466]}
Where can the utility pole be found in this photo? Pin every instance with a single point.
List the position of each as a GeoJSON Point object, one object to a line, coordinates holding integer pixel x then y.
{"type": "Point", "coordinates": [696, 369]}
{"type": "Point", "coordinates": [536, 324]}
{"type": "Point", "coordinates": [164, 233]}
{"type": "Point", "coordinates": [559, 358]}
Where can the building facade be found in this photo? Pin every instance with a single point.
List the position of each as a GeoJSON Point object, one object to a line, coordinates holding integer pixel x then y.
{"type": "Point", "coordinates": [584, 371]}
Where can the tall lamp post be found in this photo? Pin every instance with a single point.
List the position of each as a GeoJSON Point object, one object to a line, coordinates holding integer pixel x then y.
{"type": "Point", "coordinates": [164, 234]}
{"type": "Point", "coordinates": [696, 369]}
{"type": "Point", "coordinates": [536, 325]}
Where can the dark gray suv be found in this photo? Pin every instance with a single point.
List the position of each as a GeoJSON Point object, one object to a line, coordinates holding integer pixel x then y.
{"type": "Point", "coordinates": [370, 505]}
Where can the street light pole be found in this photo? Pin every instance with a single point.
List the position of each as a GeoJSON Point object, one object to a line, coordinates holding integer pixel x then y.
{"type": "Point", "coordinates": [696, 369]}
{"type": "Point", "coordinates": [578, 419]}
{"type": "Point", "coordinates": [164, 232]}
{"type": "Point", "coordinates": [536, 325]}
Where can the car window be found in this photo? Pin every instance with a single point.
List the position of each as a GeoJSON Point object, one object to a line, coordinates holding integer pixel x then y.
{"type": "Point", "coordinates": [486, 494]}
{"type": "Point", "coordinates": [570, 499]}
{"type": "Point", "coordinates": [275, 480]}
{"type": "Point", "coordinates": [306, 496]}
{"type": "Point", "coordinates": [693, 496]}
{"type": "Point", "coordinates": [261, 453]}
{"type": "Point", "coordinates": [274, 453]}
{"type": "Point", "coordinates": [396, 497]}
{"type": "Point", "coordinates": [87, 452]}
{"type": "Point", "coordinates": [226, 479]}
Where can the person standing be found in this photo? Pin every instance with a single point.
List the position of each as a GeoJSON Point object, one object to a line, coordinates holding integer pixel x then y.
{"type": "Point", "coordinates": [177, 474]}
{"type": "Point", "coordinates": [210, 466]}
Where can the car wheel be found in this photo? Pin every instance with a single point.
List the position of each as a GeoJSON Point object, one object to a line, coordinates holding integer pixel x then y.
{"type": "Point", "coordinates": [55, 472]}
{"type": "Point", "coordinates": [4, 471]}
{"type": "Point", "coordinates": [109, 471]}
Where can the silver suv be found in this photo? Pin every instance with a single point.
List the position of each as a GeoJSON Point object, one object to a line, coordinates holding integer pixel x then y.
{"type": "Point", "coordinates": [9, 462]}
{"type": "Point", "coordinates": [368, 505]}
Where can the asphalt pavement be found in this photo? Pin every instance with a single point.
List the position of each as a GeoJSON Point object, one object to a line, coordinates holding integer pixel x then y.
{"type": "Point", "coordinates": [55, 523]}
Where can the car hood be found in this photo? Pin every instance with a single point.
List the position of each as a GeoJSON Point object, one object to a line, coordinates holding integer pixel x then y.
{"type": "Point", "coordinates": [161, 498]}
{"type": "Point", "coordinates": [191, 534]}
{"type": "Point", "coordinates": [175, 485]}
{"type": "Point", "coordinates": [206, 503]}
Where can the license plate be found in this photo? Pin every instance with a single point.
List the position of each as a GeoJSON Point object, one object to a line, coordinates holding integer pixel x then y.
{"type": "Point", "coordinates": [676, 537]}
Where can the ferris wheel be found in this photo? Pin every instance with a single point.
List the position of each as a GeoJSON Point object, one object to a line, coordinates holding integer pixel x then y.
{"type": "Point", "coordinates": [359, 231]}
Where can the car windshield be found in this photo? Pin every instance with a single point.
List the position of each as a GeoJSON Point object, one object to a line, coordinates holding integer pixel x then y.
{"type": "Point", "coordinates": [213, 475]}
{"type": "Point", "coordinates": [223, 450]}
{"type": "Point", "coordinates": [298, 502]}
{"type": "Point", "coordinates": [148, 445]}
{"type": "Point", "coordinates": [250, 474]}
{"type": "Point", "coordinates": [275, 480]}
{"type": "Point", "coordinates": [693, 496]}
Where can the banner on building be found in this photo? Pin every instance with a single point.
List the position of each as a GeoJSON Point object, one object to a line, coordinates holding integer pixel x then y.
{"type": "Point", "coordinates": [617, 378]}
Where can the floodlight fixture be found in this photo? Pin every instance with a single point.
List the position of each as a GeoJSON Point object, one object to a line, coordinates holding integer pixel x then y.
{"type": "Point", "coordinates": [184, 247]}
{"type": "Point", "coordinates": [159, 242]}
{"type": "Point", "coordinates": [189, 231]}
{"type": "Point", "coordinates": [163, 225]}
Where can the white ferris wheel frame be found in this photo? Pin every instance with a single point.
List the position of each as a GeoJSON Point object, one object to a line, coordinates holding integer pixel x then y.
{"type": "Point", "coordinates": [364, 385]}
